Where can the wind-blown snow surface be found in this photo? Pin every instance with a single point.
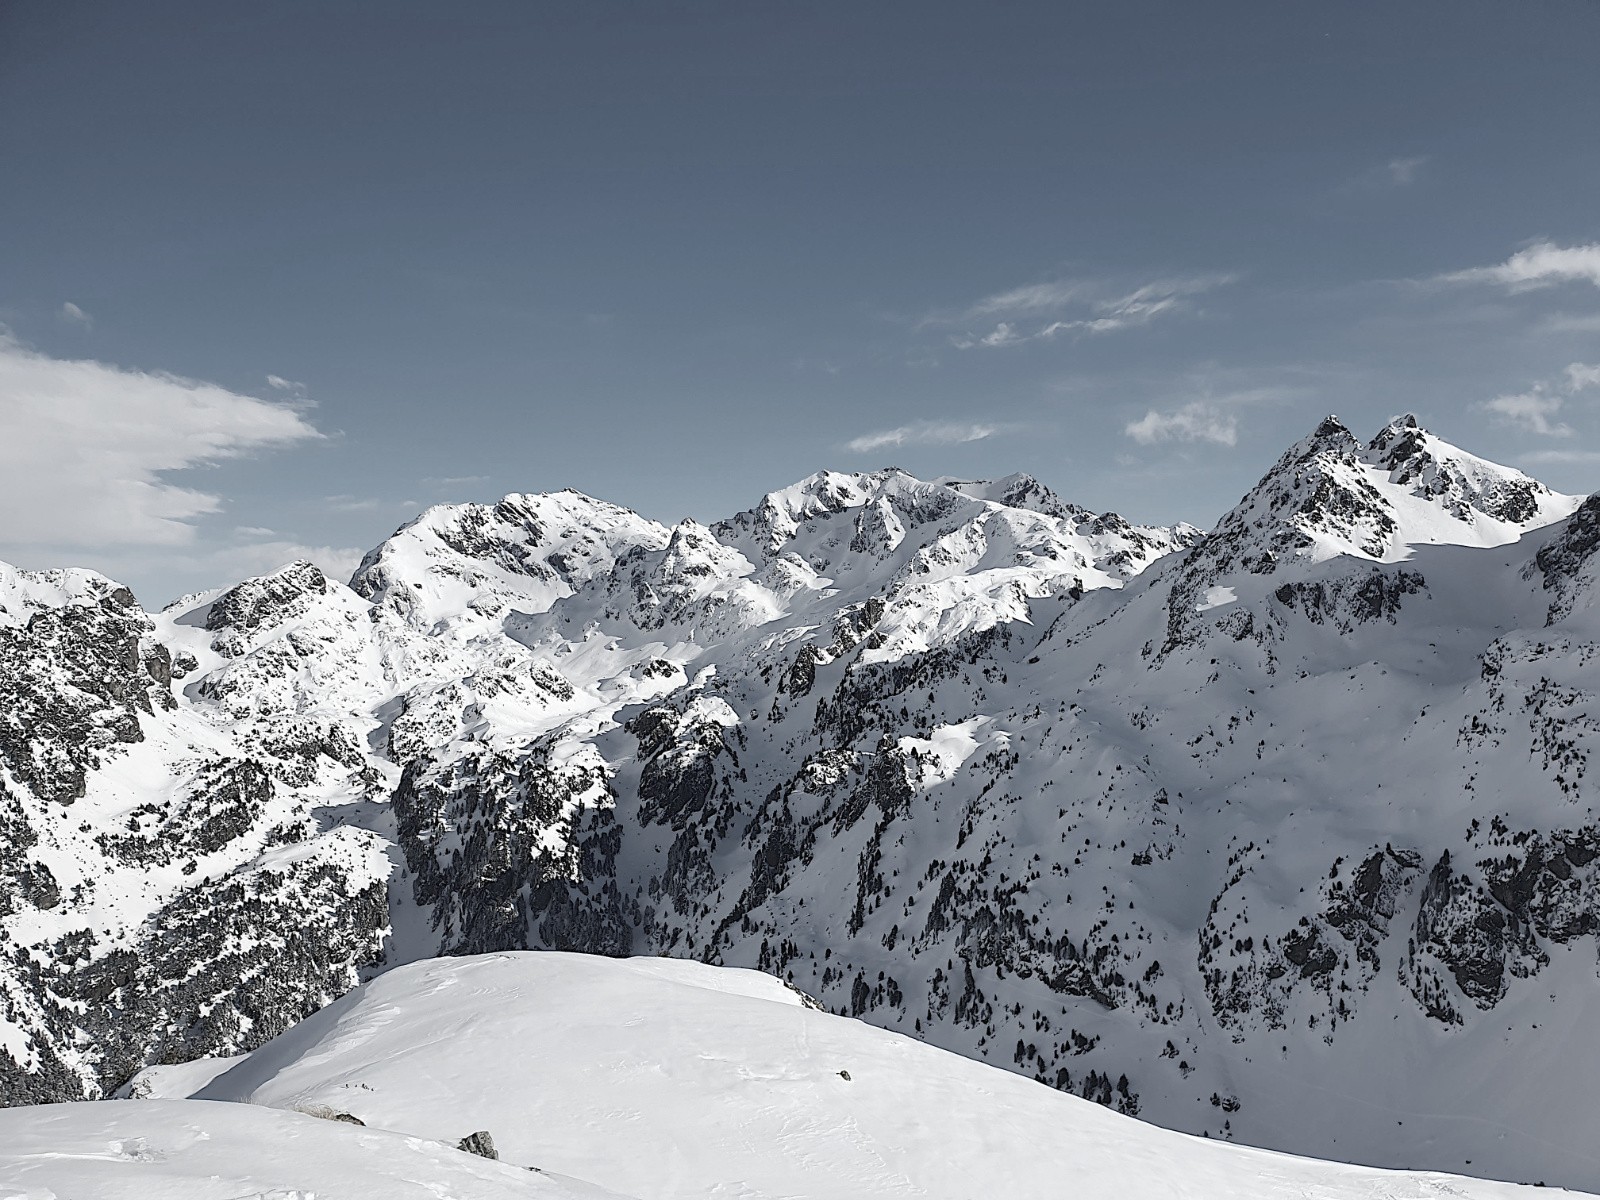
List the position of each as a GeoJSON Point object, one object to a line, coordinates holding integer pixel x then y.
{"type": "Point", "coordinates": [663, 1079]}
{"type": "Point", "coordinates": [194, 1150]}
{"type": "Point", "coordinates": [1283, 833]}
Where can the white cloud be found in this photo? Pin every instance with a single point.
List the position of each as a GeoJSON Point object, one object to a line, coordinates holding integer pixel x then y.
{"type": "Point", "coordinates": [1002, 334]}
{"type": "Point", "coordinates": [279, 384]}
{"type": "Point", "coordinates": [1539, 265]}
{"type": "Point", "coordinates": [355, 503]}
{"type": "Point", "coordinates": [1032, 298]}
{"type": "Point", "coordinates": [1534, 410]}
{"type": "Point", "coordinates": [1106, 314]}
{"type": "Point", "coordinates": [1403, 171]}
{"type": "Point", "coordinates": [1530, 411]}
{"type": "Point", "coordinates": [86, 447]}
{"type": "Point", "coordinates": [1197, 421]}
{"type": "Point", "coordinates": [1388, 176]}
{"type": "Point", "coordinates": [1582, 375]}
{"type": "Point", "coordinates": [925, 433]}
{"type": "Point", "coordinates": [71, 312]}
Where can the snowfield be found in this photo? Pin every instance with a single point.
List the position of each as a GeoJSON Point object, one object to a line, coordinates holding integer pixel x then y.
{"type": "Point", "coordinates": [643, 1077]}
{"type": "Point", "coordinates": [193, 1150]}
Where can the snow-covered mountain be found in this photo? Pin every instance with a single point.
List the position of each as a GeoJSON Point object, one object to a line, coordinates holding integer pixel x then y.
{"type": "Point", "coordinates": [641, 1077]}
{"type": "Point", "coordinates": [1281, 833]}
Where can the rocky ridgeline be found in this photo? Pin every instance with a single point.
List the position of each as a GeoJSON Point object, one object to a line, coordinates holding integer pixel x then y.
{"type": "Point", "coordinates": [1129, 810]}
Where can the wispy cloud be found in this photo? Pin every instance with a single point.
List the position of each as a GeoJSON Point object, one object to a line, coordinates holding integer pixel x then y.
{"type": "Point", "coordinates": [1197, 421]}
{"type": "Point", "coordinates": [1032, 298]}
{"type": "Point", "coordinates": [355, 504]}
{"type": "Point", "coordinates": [1542, 264]}
{"type": "Point", "coordinates": [1045, 311]}
{"type": "Point", "coordinates": [1387, 176]}
{"type": "Point", "coordinates": [1573, 323]}
{"type": "Point", "coordinates": [279, 384]}
{"type": "Point", "coordinates": [1402, 172]}
{"type": "Point", "coordinates": [1535, 410]}
{"type": "Point", "coordinates": [72, 313]}
{"type": "Point", "coordinates": [88, 446]}
{"type": "Point", "coordinates": [1549, 458]}
{"type": "Point", "coordinates": [454, 481]}
{"type": "Point", "coordinates": [926, 433]}
{"type": "Point", "coordinates": [1003, 334]}
{"type": "Point", "coordinates": [1531, 411]}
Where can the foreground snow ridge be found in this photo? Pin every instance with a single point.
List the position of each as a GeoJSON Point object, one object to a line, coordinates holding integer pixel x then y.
{"type": "Point", "coordinates": [642, 1077]}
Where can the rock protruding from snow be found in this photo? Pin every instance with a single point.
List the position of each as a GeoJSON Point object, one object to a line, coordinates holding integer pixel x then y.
{"type": "Point", "coordinates": [1568, 565]}
{"type": "Point", "coordinates": [260, 604]}
{"type": "Point", "coordinates": [479, 1143]}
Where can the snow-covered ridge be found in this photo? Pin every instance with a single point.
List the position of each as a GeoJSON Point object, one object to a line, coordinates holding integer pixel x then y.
{"type": "Point", "coordinates": [1238, 832]}
{"type": "Point", "coordinates": [709, 1077]}
{"type": "Point", "coordinates": [525, 549]}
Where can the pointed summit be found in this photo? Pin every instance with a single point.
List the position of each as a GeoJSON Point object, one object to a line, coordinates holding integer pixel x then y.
{"type": "Point", "coordinates": [1330, 494]}
{"type": "Point", "coordinates": [1332, 429]}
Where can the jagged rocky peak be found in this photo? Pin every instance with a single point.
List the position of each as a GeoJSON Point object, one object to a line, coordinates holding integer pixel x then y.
{"type": "Point", "coordinates": [260, 604]}
{"type": "Point", "coordinates": [1021, 491]}
{"type": "Point", "coordinates": [1120, 547]}
{"type": "Point", "coordinates": [1467, 487]}
{"type": "Point", "coordinates": [875, 515]}
{"type": "Point", "coordinates": [23, 593]}
{"type": "Point", "coordinates": [527, 550]}
{"type": "Point", "coordinates": [1331, 495]}
{"type": "Point", "coordinates": [694, 577]}
{"type": "Point", "coordinates": [79, 670]}
{"type": "Point", "coordinates": [768, 529]}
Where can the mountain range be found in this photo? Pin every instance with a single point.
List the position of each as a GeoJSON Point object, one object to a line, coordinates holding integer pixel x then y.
{"type": "Point", "coordinates": [1279, 832]}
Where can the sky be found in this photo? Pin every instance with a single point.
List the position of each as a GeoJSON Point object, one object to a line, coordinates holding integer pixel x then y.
{"type": "Point", "coordinates": [277, 277]}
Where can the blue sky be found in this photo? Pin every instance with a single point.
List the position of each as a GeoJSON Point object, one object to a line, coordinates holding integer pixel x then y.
{"type": "Point", "coordinates": [277, 276]}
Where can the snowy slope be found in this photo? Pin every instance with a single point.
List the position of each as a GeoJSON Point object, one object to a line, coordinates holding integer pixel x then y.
{"type": "Point", "coordinates": [1282, 833]}
{"type": "Point", "coordinates": [192, 1150]}
{"type": "Point", "coordinates": [662, 1078]}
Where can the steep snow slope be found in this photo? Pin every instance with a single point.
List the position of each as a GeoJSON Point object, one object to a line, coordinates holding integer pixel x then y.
{"type": "Point", "coordinates": [1282, 833]}
{"type": "Point", "coordinates": [663, 1078]}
